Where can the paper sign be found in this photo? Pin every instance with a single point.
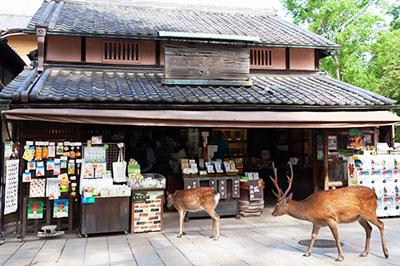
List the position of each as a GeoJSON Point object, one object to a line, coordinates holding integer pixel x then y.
{"type": "Point", "coordinates": [60, 209]}
{"type": "Point", "coordinates": [35, 209]}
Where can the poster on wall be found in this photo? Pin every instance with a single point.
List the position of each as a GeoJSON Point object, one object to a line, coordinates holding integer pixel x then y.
{"type": "Point", "coordinates": [35, 209]}
{"type": "Point", "coordinates": [37, 188]}
{"type": "Point", "coordinates": [60, 209]}
{"type": "Point", "coordinates": [11, 186]}
{"type": "Point", "coordinates": [95, 154]}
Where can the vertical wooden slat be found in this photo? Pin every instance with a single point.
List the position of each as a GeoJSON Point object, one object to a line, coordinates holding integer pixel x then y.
{"type": "Point", "coordinates": [326, 162]}
{"type": "Point", "coordinates": [137, 52]}
{"type": "Point", "coordinates": [270, 57]}
{"type": "Point", "coordinates": [123, 51]}
{"type": "Point", "coordinates": [262, 57]}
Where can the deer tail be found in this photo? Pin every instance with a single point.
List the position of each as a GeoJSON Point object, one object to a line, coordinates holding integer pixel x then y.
{"type": "Point", "coordinates": [217, 196]}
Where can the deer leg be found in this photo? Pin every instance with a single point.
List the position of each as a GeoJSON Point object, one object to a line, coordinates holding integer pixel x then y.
{"type": "Point", "coordinates": [368, 230]}
{"type": "Point", "coordinates": [182, 214]}
{"type": "Point", "coordinates": [374, 220]}
{"type": "Point", "coordinates": [314, 235]}
{"type": "Point", "coordinates": [333, 226]}
{"type": "Point", "coordinates": [215, 224]}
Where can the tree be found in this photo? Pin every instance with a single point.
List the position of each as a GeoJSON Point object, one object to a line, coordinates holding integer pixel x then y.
{"type": "Point", "coordinates": [351, 23]}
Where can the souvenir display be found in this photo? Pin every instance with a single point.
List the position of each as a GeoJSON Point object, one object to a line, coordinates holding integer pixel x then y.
{"type": "Point", "coordinates": [31, 165]}
{"type": "Point", "coordinates": [29, 153]}
{"type": "Point", "coordinates": [189, 167]}
{"type": "Point", "coordinates": [11, 186]}
{"type": "Point", "coordinates": [382, 174]}
{"type": "Point", "coordinates": [119, 168]}
{"type": "Point", "coordinates": [26, 176]}
{"type": "Point", "coordinates": [94, 154]}
{"type": "Point", "coordinates": [40, 169]}
{"type": "Point", "coordinates": [60, 209]}
{"type": "Point", "coordinates": [154, 181]}
{"type": "Point", "coordinates": [35, 209]}
{"type": "Point", "coordinates": [53, 188]}
{"type": "Point", "coordinates": [64, 182]}
{"type": "Point", "coordinates": [230, 167]}
{"type": "Point", "coordinates": [37, 188]}
{"type": "Point", "coordinates": [50, 165]}
{"type": "Point", "coordinates": [134, 173]}
{"type": "Point", "coordinates": [102, 188]}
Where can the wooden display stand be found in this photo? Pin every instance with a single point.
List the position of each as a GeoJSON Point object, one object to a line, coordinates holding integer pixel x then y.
{"type": "Point", "coordinates": [147, 210]}
{"type": "Point", "coordinates": [106, 215]}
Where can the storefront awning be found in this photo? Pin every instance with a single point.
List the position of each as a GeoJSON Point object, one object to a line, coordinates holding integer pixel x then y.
{"type": "Point", "coordinates": [185, 118]}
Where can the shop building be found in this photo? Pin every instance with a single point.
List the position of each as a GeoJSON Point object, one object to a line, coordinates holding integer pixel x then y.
{"type": "Point", "coordinates": [140, 73]}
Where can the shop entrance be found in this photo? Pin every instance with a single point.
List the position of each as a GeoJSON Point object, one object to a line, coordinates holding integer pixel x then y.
{"type": "Point", "coordinates": [165, 146]}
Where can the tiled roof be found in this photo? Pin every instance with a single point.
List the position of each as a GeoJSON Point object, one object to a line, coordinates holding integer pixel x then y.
{"type": "Point", "coordinates": [13, 21]}
{"type": "Point", "coordinates": [146, 20]}
{"type": "Point", "coordinates": [65, 84]}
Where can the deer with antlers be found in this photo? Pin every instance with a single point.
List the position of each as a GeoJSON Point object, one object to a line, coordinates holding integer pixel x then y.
{"type": "Point", "coordinates": [193, 200]}
{"type": "Point", "coordinates": [330, 207]}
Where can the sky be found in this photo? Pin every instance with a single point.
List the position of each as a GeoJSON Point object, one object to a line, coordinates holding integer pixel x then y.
{"type": "Point", "coordinates": [28, 7]}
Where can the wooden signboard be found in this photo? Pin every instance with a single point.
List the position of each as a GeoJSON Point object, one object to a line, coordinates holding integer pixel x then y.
{"type": "Point", "coordinates": [198, 65]}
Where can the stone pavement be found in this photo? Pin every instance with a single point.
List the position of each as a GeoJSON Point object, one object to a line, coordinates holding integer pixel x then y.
{"type": "Point", "coordinates": [264, 240]}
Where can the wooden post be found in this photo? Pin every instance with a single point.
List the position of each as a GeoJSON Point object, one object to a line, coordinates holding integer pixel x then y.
{"type": "Point", "coordinates": [326, 165]}
{"type": "Point", "coordinates": [314, 156]}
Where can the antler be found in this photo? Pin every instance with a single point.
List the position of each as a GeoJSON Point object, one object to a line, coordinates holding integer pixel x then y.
{"type": "Point", "coordinates": [290, 181]}
{"type": "Point", "coordinates": [290, 178]}
{"type": "Point", "coordinates": [275, 181]}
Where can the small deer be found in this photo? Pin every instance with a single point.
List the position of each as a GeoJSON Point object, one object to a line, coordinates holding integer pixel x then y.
{"type": "Point", "coordinates": [193, 200]}
{"type": "Point", "coordinates": [330, 207]}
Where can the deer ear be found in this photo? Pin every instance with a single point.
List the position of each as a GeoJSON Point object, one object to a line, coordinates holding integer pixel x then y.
{"type": "Point", "coordinates": [290, 196]}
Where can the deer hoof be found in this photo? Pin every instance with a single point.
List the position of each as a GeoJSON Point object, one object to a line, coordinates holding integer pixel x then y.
{"type": "Point", "coordinates": [215, 238]}
{"type": "Point", "coordinates": [184, 233]}
{"type": "Point", "coordinates": [339, 259]}
{"type": "Point", "coordinates": [179, 236]}
{"type": "Point", "coordinates": [307, 254]}
{"type": "Point", "coordinates": [386, 256]}
{"type": "Point", "coordinates": [364, 254]}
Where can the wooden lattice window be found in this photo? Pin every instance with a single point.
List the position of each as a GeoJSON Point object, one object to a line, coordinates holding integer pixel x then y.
{"type": "Point", "coordinates": [260, 58]}
{"type": "Point", "coordinates": [121, 52]}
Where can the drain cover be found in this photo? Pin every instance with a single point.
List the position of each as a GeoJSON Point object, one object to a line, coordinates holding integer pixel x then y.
{"type": "Point", "coordinates": [320, 243]}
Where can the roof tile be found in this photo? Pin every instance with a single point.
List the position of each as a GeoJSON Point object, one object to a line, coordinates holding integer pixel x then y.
{"type": "Point", "coordinates": [89, 18]}
{"type": "Point", "coordinates": [115, 85]}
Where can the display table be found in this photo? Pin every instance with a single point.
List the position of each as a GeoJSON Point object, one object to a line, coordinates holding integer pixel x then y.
{"type": "Point", "coordinates": [227, 186]}
{"type": "Point", "coordinates": [147, 210]}
{"type": "Point", "coordinates": [106, 215]}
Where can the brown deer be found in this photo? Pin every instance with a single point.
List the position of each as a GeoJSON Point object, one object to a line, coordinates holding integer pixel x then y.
{"type": "Point", "coordinates": [193, 200]}
{"type": "Point", "coordinates": [330, 207]}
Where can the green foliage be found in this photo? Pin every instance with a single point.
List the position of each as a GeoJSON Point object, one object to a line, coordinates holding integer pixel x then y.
{"type": "Point", "coordinates": [370, 46]}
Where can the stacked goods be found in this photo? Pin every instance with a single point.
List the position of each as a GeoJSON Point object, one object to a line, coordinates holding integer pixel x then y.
{"type": "Point", "coordinates": [382, 174]}
{"type": "Point", "coordinates": [251, 201]}
{"type": "Point", "coordinates": [147, 209]}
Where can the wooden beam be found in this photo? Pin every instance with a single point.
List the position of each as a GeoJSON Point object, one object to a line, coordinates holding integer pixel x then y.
{"type": "Point", "coordinates": [326, 163]}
